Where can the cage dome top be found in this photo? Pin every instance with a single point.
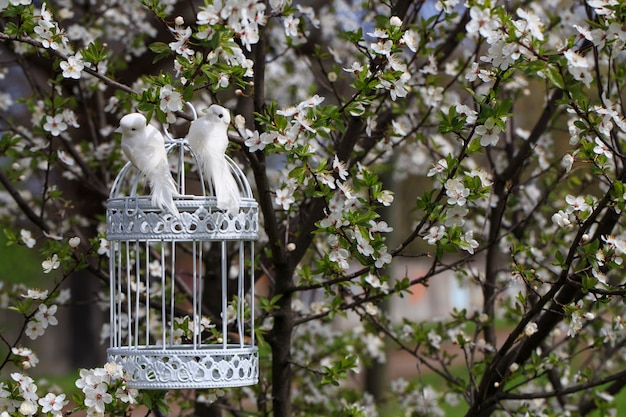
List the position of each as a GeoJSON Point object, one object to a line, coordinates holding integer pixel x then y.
{"type": "Point", "coordinates": [131, 215]}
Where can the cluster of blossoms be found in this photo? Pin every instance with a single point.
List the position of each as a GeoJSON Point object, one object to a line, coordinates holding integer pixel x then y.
{"type": "Point", "coordinates": [613, 250]}
{"type": "Point", "coordinates": [44, 315]}
{"type": "Point", "coordinates": [579, 65]}
{"type": "Point", "coordinates": [421, 400]}
{"type": "Point", "coordinates": [459, 191]}
{"type": "Point", "coordinates": [504, 52]}
{"type": "Point", "coordinates": [49, 33]}
{"type": "Point", "coordinates": [350, 241]}
{"type": "Point", "coordinates": [43, 318]}
{"type": "Point", "coordinates": [341, 351]}
{"type": "Point", "coordinates": [387, 44]}
{"type": "Point", "coordinates": [22, 397]}
{"type": "Point", "coordinates": [182, 35]}
{"type": "Point", "coordinates": [19, 393]}
{"type": "Point", "coordinates": [300, 120]}
{"type": "Point", "coordinates": [287, 133]}
{"type": "Point", "coordinates": [577, 318]}
{"type": "Point", "coordinates": [243, 17]}
{"type": "Point", "coordinates": [57, 123]}
{"type": "Point", "coordinates": [103, 387]}
{"type": "Point", "coordinates": [27, 358]}
{"type": "Point", "coordinates": [578, 208]}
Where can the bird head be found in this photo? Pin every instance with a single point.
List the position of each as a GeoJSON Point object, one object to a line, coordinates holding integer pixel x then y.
{"type": "Point", "coordinates": [131, 124]}
{"type": "Point", "coordinates": [218, 114]}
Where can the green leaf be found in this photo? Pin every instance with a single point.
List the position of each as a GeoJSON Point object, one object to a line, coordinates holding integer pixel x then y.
{"type": "Point", "coordinates": [268, 305]}
{"type": "Point", "coordinates": [143, 106]}
{"type": "Point", "coordinates": [560, 258]}
{"type": "Point", "coordinates": [11, 237]}
{"type": "Point", "coordinates": [298, 173]}
{"type": "Point", "coordinates": [161, 49]}
{"type": "Point", "coordinates": [555, 76]}
{"type": "Point", "coordinates": [95, 52]}
{"type": "Point", "coordinates": [22, 307]}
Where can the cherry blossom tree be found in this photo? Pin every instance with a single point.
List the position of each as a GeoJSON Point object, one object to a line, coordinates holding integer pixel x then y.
{"type": "Point", "coordinates": [505, 117]}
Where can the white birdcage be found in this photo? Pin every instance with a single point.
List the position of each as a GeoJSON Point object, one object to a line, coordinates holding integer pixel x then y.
{"type": "Point", "coordinates": [182, 287]}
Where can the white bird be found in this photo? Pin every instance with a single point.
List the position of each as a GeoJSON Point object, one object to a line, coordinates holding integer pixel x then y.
{"type": "Point", "coordinates": [208, 138]}
{"type": "Point", "coordinates": [144, 146]}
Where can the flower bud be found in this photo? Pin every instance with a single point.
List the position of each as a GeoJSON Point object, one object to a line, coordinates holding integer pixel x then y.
{"type": "Point", "coordinates": [395, 21]}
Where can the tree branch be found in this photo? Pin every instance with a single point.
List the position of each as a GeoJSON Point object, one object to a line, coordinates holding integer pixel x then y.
{"type": "Point", "coordinates": [561, 293]}
{"type": "Point", "coordinates": [22, 204]}
{"type": "Point", "coordinates": [619, 377]}
{"type": "Point", "coordinates": [108, 81]}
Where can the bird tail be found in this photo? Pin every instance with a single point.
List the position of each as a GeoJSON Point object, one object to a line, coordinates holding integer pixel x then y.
{"type": "Point", "coordinates": [226, 189]}
{"type": "Point", "coordinates": [163, 192]}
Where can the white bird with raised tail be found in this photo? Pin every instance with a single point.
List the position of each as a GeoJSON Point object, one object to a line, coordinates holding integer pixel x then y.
{"type": "Point", "coordinates": [208, 137]}
{"type": "Point", "coordinates": [144, 146]}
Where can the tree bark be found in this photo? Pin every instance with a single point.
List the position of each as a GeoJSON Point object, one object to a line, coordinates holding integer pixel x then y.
{"type": "Point", "coordinates": [280, 341]}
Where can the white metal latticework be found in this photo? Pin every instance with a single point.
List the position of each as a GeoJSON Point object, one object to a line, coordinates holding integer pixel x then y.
{"type": "Point", "coordinates": [182, 287]}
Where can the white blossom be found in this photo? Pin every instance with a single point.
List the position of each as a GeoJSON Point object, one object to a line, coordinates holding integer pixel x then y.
{"type": "Point", "coordinates": [50, 264]}
{"type": "Point", "coordinates": [6, 101]}
{"type": "Point", "coordinates": [36, 294]}
{"type": "Point", "coordinates": [45, 315]}
{"type": "Point", "coordinates": [291, 26]}
{"type": "Point", "coordinates": [338, 254]}
{"type": "Point", "coordinates": [567, 162]}
{"type": "Point", "coordinates": [97, 397]}
{"type": "Point", "coordinates": [434, 339]}
{"type": "Point", "coordinates": [530, 23]}
{"type": "Point", "coordinates": [411, 39]}
{"type": "Point", "coordinates": [382, 258]}
{"type": "Point", "coordinates": [576, 203]}
{"type": "Point", "coordinates": [28, 357]}
{"type": "Point", "coordinates": [55, 125]}
{"type": "Point", "coordinates": [561, 219]}
{"type": "Point", "coordinates": [489, 132]}
{"type": "Point", "coordinates": [73, 67]}
{"type": "Point", "coordinates": [34, 329]}
{"type": "Point", "coordinates": [440, 166]}
{"type": "Point", "coordinates": [530, 329]}
{"type": "Point", "coordinates": [171, 101]}
{"type": "Point", "coordinates": [435, 234]}
{"type": "Point", "coordinates": [53, 404]}
{"type": "Point", "coordinates": [457, 192]}
{"type": "Point", "coordinates": [27, 238]}
{"type": "Point", "coordinates": [284, 198]}
{"type": "Point", "coordinates": [468, 243]}
{"type": "Point", "coordinates": [602, 149]}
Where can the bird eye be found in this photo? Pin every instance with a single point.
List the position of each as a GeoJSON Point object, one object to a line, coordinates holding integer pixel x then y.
{"type": "Point", "coordinates": [220, 115]}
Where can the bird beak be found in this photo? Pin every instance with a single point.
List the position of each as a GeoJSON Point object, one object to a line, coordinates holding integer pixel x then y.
{"type": "Point", "coordinates": [118, 130]}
